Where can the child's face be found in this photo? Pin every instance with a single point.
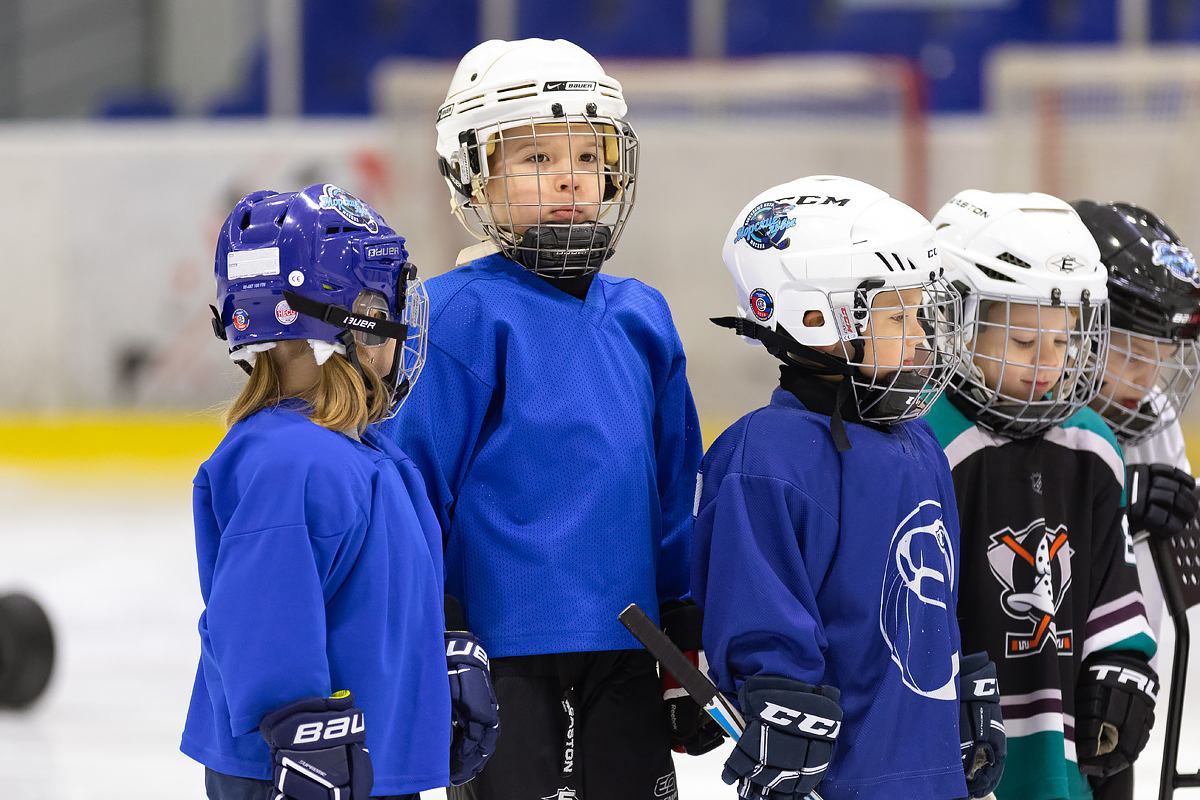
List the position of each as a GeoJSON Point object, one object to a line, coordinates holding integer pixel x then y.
{"type": "Point", "coordinates": [893, 332]}
{"type": "Point", "coordinates": [1131, 370]}
{"type": "Point", "coordinates": [545, 174]}
{"type": "Point", "coordinates": [1024, 359]}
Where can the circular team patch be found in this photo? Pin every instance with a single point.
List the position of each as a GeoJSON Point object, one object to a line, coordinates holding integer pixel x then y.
{"type": "Point", "coordinates": [284, 313]}
{"type": "Point", "coordinates": [296, 277]}
{"type": "Point", "coordinates": [241, 320]}
{"type": "Point", "coordinates": [761, 304]}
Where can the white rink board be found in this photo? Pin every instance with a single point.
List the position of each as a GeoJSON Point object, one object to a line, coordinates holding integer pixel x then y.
{"type": "Point", "coordinates": [110, 231]}
{"type": "Point", "coordinates": [117, 576]}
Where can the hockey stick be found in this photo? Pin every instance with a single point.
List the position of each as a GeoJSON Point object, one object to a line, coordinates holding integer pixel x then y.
{"type": "Point", "coordinates": [693, 681]}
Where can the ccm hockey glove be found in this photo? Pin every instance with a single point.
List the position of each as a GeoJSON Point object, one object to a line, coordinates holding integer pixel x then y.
{"type": "Point", "coordinates": [472, 704]}
{"type": "Point", "coordinates": [788, 741]}
{"type": "Point", "coordinates": [317, 746]}
{"type": "Point", "coordinates": [981, 725]}
{"type": "Point", "coordinates": [689, 726]}
{"type": "Point", "coordinates": [1114, 711]}
{"type": "Point", "coordinates": [1161, 499]}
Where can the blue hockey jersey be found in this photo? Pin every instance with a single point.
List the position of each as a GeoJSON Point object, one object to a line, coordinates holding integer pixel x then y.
{"type": "Point", "coordinates": [320, 569]}
{"type": "Point", "coordinates": [839, 569]}
{"type": "Point", "coordinates": [559, 445]}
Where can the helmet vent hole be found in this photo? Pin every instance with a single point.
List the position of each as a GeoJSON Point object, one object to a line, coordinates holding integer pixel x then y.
{"type": "Point", "coordinates": [282, 217]}
{"type": "Point", "coordinates": [994, 275]}
{"type": "Point", "coordinates": [330, 231]}
{"type": "Point", "coordinates": [245, 221]}
{"type": "Point", "coordinates": [516, 96]}
{"type": "Point", "coordinates": [1009, 258]}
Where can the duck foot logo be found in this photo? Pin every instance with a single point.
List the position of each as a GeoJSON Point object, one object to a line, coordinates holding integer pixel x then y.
{"type": "Point", "coordinates": [1033, 566]}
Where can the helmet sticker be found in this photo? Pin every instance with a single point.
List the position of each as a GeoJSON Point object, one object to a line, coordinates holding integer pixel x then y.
{"type": "Point", "coordinates": [295, 277]}
{"type": "Point", "coordinates": [569, 86]}
{"type": "Point", "coordinates": [284, 313]}
{"type": "Point", "coordinates": [765, 225]}
{"type": "Point", "coordinates": [242, 264]}
{"type": "Point", "coordinates": [761, 304]}
{"type": "Point", "coordinates": [350, 207]}
{"type": "Point", "coordinates": [241, 320]}
{"type": "Point", "coordinates": [1066, 263]}
{"type": "Point", "coordinates": [444, 111]}
{"type": "Point", "coordinates": [1178, 259]}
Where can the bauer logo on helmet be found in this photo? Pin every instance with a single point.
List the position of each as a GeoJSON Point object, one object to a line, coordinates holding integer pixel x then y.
{"type": "Point", "coordinates": [765, 226]}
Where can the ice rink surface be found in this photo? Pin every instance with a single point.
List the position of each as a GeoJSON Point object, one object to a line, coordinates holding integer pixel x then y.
{"type": "Point", "coordinates": [114, 565]}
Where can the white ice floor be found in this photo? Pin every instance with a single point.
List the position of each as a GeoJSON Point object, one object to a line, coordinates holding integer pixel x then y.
{"type": "Point", "coordinates": [116, 572]}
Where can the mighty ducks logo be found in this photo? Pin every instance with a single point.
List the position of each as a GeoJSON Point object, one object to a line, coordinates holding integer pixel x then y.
{"type": "Point", "coordinates": [765, 226]}
{"type": "Point", "coordinates": [1034, 567]}
{"type": "Point", "coordinates": [1178, 259]}
{"type": "Point", "coordinates": [915, 610]}
{"type": "Point", "coordinates": [350, 207]}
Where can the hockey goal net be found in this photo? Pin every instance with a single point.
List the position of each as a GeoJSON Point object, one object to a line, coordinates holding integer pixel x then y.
{"type": "Point", "coordinates": [1101, 123]}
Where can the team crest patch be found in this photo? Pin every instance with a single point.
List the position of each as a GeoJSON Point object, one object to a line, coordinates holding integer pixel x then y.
{"type": "Point", "coordinates": [916, 605]}
{"type": "Point", "coordinates": [241, 320]}
{"type": "Point", "coordinates": [766, 225]}
{"type": "Point", "coordinates": [350, 207]}
{"type": "Point", "coordinates": [761, 304]}
{"type": "Point", "coordinates": [1178, 260]}
{"type": "Point", "coordinates": [1033, 566]}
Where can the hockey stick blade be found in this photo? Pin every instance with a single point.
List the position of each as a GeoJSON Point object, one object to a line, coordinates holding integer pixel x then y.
{"type": "Point", "coordinates": [693, 681]}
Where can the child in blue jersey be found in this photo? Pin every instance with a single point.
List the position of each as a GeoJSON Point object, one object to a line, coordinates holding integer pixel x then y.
{"type": "Point", "coordinates": [1050, 584]}
{"type": "Point", "coordinates": [826, 534]}
{"type": "Point", "coordinates": [560, 445]}
{"type": "Point", "coordinates": [323, 655]}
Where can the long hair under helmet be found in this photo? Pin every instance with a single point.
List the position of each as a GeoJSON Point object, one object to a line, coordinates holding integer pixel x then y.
{"type": "Point", "coordinates": [537, 94]}
{"type": "Point", "coordinates": [1154, 295]}
{"type": "Point", "coordinates": [1008, 249]}
{"type": "Point", "coordinates": [845, 249]}
{"type": "Point", "coordinates": [321, 265]}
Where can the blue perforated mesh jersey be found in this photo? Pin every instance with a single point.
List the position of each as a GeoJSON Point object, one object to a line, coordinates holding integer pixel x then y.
{"type": "Point", "coordinates": [559, 445]}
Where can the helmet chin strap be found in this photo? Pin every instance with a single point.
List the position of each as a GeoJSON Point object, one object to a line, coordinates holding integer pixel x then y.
{"type": "Point", "coordinates": [817, 363]}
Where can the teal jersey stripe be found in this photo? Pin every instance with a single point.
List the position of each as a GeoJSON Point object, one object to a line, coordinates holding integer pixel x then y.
{"type": "Point", "coordinates": [1031, 759]}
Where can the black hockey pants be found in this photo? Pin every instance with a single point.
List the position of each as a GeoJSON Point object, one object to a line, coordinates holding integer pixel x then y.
{"type": "Point", "coordinates": [577, 726]}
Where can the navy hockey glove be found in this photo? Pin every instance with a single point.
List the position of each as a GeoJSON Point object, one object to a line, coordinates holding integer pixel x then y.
{"type": "Point", "coordinates": [788, 741]}
{"type": "Point", "coordinates": [980, 725]}
{"type": "Point", "coordinates": [317, 747]}
{"type": "Point", "coordinates": [1114, 711]}
{"type": "Point", "coordinates": [689, 726]}
{"type": "Point", "coordinates": [472, 704]}
{"type": "Point", "coordinates": [1161, 499]}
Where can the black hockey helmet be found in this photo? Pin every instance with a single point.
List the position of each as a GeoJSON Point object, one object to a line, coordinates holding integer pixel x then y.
{"type": "Point", "coordinates": [1153, 283]}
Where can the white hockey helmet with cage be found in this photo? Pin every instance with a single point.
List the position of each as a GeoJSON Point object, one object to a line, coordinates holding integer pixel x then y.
{"type": "Point", "coordinates": [537, 91]}
{"type": "Point", "coordinates": [834, 245]}
{"type": "Point", "coordinates": [1014, 253]}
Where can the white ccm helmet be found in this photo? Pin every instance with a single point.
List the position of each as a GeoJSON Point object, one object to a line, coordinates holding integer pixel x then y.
{"type": "Point", "coordinates": [1030, 274]}
{"type": "Point", "coordinates": [548, 97]}
{"type": "Point", "coordinates": [836, 246]}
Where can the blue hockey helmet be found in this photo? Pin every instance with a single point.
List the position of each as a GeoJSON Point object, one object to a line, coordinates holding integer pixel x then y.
{"type": "Point", "coordinates": [319, 264]}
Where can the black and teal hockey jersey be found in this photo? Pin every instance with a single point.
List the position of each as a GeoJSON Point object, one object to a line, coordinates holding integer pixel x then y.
{"type": "Point", "coordinates": [1048, 577]}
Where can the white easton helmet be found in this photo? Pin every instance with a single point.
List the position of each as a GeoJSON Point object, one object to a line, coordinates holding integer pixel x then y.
{"type": "Point", "coordinates": [548, 90]}
{"type": "Point", "coordinates": [833, 245]}
{"type": "Point", "coordinates": [1023, 250]}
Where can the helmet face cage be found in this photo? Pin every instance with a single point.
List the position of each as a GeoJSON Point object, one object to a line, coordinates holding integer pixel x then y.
{"type": "Point", "coordinates": [905, 349]}
{"type": "Point", "coordinates": [553, 192]}
{"type": "Point", "coordinates": [409, 356]}
{"type": "Point", "coordinates": [1028, 364]}
{"type": "Point", "coordinates": [1146, 384]}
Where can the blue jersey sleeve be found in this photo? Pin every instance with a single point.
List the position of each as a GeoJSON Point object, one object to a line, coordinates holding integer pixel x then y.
{"type": "Point", "coordinates": [286, 535]}
{"type": "Point", "coordinates": [678, 450]}
{"type": "Point", "coordinates": [438, 428]}
{"type": "Point", "coordinates": [757, 581]}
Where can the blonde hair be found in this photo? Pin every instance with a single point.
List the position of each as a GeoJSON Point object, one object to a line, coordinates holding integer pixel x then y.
{"type": "Point", "coordinates": [341, 400]}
